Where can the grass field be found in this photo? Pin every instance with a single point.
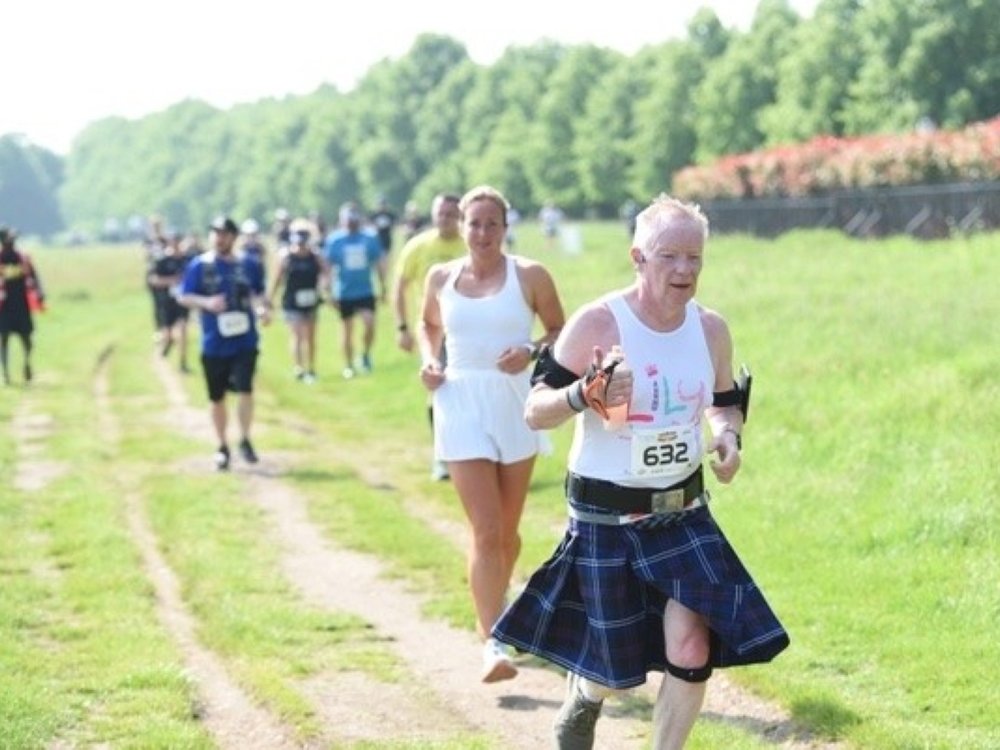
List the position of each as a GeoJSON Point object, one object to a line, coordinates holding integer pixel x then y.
{"type": "Point", "coordinates": [866, 508]}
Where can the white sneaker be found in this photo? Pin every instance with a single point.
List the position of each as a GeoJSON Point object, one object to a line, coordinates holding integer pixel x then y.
{"type": "Point", "coordinates": [497, 664]}
{"type": "Point", "coordinates": [439, 471]}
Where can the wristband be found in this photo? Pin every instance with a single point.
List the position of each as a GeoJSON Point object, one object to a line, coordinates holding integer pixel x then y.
{"type": "Point", "coordinates": [532, 350]}
{"type": "Point", "coordinates": [574, 397]}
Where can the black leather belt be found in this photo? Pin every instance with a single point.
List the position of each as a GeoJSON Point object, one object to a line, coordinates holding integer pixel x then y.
{"type": "Point", "coordinates": [615, 497]}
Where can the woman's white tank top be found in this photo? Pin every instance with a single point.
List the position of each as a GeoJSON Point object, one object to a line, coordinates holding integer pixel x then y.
{"type": "Point", "coordinates": [478, 329]}
{"type": "Point", "coordinates": [673, 383]}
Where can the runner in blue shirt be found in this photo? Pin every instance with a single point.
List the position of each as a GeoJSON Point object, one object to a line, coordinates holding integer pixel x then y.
{"type": "Point", "coordinates": [229, 293]}
{"type": "Point", "coordinates": [353, 255]}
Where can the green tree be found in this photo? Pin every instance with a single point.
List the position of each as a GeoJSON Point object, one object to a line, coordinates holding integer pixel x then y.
{"type": "Point", "coordinates": [663, 139]}
{"type": "Point", "coordinates": [707, 34]}
{"type": "Point", "coordinates": [326, 176]}
{"type": "Point", "coordinates": [814, 76]}
{"type": "Point", "coordinates": [503, 163]}
{"type": "Point", "coordinates": [604, 135]}
{"type": "Point", "coordinates": [741, 82]}
{"type": "Point", "coordinates": [496, 104]}
{"type": "Point", "coordinates": [386, 103]}
{"type": "Point", "coordinates": [551, 165]}
{"type": "Point", "coordinates": [952, 61]}
{"type": "Point", "coordinates": [937, 59]}
{"type": "Point", "coordinates": [96, 186]}
{"type": "Point", "coordinates": [878, 99]}
{"type": "Point", "coordinates": [29, 183]}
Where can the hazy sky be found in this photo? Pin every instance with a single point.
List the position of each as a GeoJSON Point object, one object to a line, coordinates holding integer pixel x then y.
{"type": "Point", "coordinates": [70, 62]}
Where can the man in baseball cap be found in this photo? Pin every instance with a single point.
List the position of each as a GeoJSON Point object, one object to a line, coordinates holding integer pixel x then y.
{"type": "Point", "coordinates": [224, 224]}
{"type": "Point", "coordinates": [228, 291]}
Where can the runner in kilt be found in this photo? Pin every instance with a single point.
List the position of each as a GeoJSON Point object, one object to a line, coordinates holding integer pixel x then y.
{"type": "Point", "coordinates": [644, 579]}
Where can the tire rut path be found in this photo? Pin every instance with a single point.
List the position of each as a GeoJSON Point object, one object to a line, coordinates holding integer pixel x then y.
{"type": "Point", "coordinates": [228, 713]}
{"type": "Point", "coordinates": [444, 661]}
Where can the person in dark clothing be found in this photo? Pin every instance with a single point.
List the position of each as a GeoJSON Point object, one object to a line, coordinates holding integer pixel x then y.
{"type": "Point", "coordinates": [384, 220]}
{"type": "Point", "coordinates": [165, 279]}
{"type": "Point", "coordinates": [20, 293]}
{"type": "Point", "coordinates": [300, 273]}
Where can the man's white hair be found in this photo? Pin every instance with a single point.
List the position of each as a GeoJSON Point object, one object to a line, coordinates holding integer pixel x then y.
{"type": "Point", "coordinates": [653, 220]}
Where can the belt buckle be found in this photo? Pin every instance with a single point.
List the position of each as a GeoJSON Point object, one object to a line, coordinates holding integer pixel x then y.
{"type": "Point", "coordinates": [667, 501]}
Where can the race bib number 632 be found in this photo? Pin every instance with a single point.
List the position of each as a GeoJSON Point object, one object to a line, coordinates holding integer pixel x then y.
{"type": "Point", "coordinates": [667, 451]}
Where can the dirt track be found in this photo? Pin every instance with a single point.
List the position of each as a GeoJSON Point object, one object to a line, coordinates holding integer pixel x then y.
{"type": "Point", "coordinates": [443, 697]}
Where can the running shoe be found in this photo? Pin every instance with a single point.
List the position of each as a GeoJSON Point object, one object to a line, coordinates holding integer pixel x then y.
{"type": "Point", "coordinates": [222, 458]}
{"type": "Point", "coordinates": [366, 363]}
{"type": "Point", "coordinates": [497, 664]}
{"type": "Point", "coordinates": [247, 451]}
{"type": "Point", "coordinates": [575, 723]}
{"type": "Point", "coordinates": [309, 378]}
{"type": "Point", "coordinates": [439, 471]}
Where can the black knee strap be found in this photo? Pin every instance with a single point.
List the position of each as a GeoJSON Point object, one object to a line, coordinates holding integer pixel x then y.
{"type": "Point", "coordinates": [700, 674]}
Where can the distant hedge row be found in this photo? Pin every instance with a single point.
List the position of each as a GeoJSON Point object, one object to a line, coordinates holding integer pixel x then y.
{"type": "Point", "coordinates": [826, 163]}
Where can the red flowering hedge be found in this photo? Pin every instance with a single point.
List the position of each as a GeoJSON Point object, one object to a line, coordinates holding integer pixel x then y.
{"type": "Point", "coordinates": [827, 163]}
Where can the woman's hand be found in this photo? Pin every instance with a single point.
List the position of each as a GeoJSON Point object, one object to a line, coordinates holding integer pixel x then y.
{"type": "Point", "coordinates": [431, 375]}
{"type": "Point", "coordinates": [515, 359]}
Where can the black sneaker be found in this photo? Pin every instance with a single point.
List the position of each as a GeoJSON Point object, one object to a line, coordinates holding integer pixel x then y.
{"type": "Point", "coordinates": [222, 458]}
{"type": "Point", "coordinates": [247, 451]}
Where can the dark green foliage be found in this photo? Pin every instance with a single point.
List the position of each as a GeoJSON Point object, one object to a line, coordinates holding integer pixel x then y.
{"type": "Point", "coordinates": [580, 125]}
{"type": "Point", "coordinates": [29, 177]}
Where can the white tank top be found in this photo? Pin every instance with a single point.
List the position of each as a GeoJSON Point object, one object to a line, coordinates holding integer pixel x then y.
{"type": "Point", "coordinates": [673, 383]}
{"type": "Point", "coordinates": [478, 329]}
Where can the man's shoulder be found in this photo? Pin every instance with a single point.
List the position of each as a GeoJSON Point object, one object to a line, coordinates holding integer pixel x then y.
{"type": "Point", "coordinates": [418, 240]}
{"type": "Point", "coordinates": [201, 259]}
{"type": "Point", "coordinates": [333, 242]}
{"type": "Point", "coordinates": [712, 323]}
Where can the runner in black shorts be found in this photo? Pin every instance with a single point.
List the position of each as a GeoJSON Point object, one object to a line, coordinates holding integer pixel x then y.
{"type": "Point", "coordinates": [348, 307]}
{"type": "Point", "coordinates": [353, 257]}
{"type": "Point", "coordinates": [229, 293]}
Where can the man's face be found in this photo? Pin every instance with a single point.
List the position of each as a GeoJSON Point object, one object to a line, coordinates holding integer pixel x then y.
{"type": "Point", "coordinates": [672, 261]}
{"type": "Point", "coordinates": [223, 241]}
{"type": "Point", "coordinates": [446, 217]}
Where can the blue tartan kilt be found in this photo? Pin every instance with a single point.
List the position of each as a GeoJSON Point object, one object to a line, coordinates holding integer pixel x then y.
{"type": "Point", "coordinates": [596, 606]}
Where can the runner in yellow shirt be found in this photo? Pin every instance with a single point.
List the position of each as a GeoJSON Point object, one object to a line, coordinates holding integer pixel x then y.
{"type": "Point", "coordinates": [442, 242]}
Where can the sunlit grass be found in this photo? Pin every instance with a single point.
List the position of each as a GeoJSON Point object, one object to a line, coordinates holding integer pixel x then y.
{"type": "Point", "coordinates": [864, 508]}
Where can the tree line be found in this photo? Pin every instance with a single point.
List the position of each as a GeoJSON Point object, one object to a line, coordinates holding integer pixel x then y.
{"type": "Point", "coordinates": [580, 125]}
